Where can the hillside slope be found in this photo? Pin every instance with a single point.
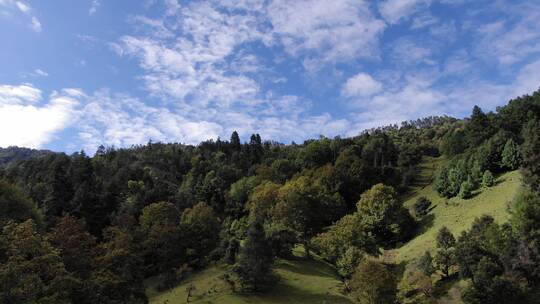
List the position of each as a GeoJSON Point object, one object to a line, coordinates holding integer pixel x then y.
{"type": "Point", "coordinates": [314, 281]}
{"type": "Point", "coordinates": [301, 281]}
{"type": "Point", "coordinates": [455, 213]}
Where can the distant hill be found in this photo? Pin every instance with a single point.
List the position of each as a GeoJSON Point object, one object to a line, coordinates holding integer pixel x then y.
{"type": "Point", "coordinates": [14, 153]}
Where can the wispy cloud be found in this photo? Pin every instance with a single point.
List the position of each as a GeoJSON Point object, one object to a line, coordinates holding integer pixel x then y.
{"type": "Point", "coordinates": [24, 10]}
{"type": "Point", "coordinates": [94, 6]}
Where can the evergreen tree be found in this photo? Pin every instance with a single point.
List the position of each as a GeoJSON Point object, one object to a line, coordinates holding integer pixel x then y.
{"type": "Point", "coordinates": [466, 188]}
{"type": "Point", "coordinates": [425, 264]}
{"type": "Point", "coordinates": [477, 129]}
{"type": "Point", "coordinates": [531, 156]}
{"type": "Point", "coordinates": [235, 142]}
{"type": "Point", "coordinates": [254, 266]}
{"type": "Point", "coordinates": [511, 157]}
{"type": "Point", "coordinates": [445, 257]}
{"type": "Point", "coordinates": [487, 179]}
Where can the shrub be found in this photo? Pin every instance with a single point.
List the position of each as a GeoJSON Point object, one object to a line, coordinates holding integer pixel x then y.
{"type": "Point", "coordinates": [421, 206]}
{"type": "Point", "coordinates": [487, 179]}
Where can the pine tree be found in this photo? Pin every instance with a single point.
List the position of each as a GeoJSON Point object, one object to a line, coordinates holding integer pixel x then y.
{"type": "Point", "coordinates": [531, 157]}
{"type": "Point", "coordinates": [487, 179]}
{"type": "Point", "coordinates": [445, 257]}
{"type": "Point", "coordinates": [235, 142]}
{"type": "Point", "coordinates": [465, 190]}
{"type": "Point", "coordinates": [511, 157]}
{"type": "Point", "coordinates": [255, 260]}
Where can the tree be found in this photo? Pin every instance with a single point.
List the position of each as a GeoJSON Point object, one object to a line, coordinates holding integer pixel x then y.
{"type": "Point", "coordinates": [349, 231]}
{"type": "Point", "coordinates": [421, 206]}
{"type": "Point", "coordinates": [77, 247]}
{"type": "Point", "coordinates": [262, 201]}
{"type": "Point", "coordinates": [239, 193]}
{"type": "Point", "coordinates": [15, 206]}
{"type": "Point", "coordinates": [478, 127]}
{"type": "Point", "coordinates": [465, 190]}
{"type": "Point", "coordinates": [385, 215]}
{"type": "Point", "coordinates": [511, 157]}
{"type": "Point", "coordinates": [200, 226]}
{"type": "Point", "coordinates": [306, 206]}
{"type": "Point", "coordinates": [160, 227]}
{"type": "Point", "coordinates": [445, 257]}
{"type": "Point", "coordinates": [425, 264]}
{"type": "Point", "coordinates": [373, 283]}
{"type": "Point", "coordinates": [235, 142]}
{"type": "Point", "coordinates": [531, 157]}
{"type": "Point", "coordinates": [254, 266]}
{"type": "Point", "coordinates": [348, 261]}
{"type": "Point", "coordinates": [32, 271]}
{"type": "Point", "coordinates": [487, 179]}
{"type": "Point", "coordinates": [119, 274]}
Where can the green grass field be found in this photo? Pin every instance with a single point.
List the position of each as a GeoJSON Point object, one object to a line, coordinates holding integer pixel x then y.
{"type": "Point", "coordinates": [455, 213]}
{"type": "Point", "coordinates": [314, 281]}
{"type": "Point", "coordinates": [301, 281]}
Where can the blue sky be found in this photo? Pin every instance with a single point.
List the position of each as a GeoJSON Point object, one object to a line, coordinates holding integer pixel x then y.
{"type": "Point", "coordinates": [77, 74]}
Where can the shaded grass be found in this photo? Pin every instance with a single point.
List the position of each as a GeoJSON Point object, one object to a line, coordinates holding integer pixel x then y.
{"type": "Point", "coordinates": [301, 281]}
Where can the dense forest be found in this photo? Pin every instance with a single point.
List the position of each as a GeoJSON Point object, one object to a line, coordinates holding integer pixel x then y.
{"type": "Point", "coordinates": [91, 229]}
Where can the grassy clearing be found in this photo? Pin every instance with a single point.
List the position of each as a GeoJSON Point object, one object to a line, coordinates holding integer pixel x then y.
{"type": "Point", "coordinates": [455, 213]}
{"type": "Point", "coordinates": [301, 281]}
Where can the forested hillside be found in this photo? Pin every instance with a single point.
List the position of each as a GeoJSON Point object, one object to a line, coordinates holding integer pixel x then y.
{"type": "Point", "coordinates": [96, 229]}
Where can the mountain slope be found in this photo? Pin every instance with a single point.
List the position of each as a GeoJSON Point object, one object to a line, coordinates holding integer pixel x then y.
{"type": "Point", "coordinates": [301, 281]}
{"type": "Point", "coordinates": [455, 213]}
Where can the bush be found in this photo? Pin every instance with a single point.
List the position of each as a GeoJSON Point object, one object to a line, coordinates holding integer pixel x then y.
{"type": "Point", "coordinates": [487, 179]}
{"type": "Point", "coordinates": [465, 191]}
{"type": "Point", "coordinates": [421, 206]}
{"type": "Point", "coordinates": [347, 263]}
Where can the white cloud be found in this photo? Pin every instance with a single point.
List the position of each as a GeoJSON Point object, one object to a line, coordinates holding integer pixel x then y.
{"type": "Point", "coordinates": [25, 93]}
{"type": "Point", "coordinates": [32, 124]}
{"type": "Point", "coordinates": [93, 7]}
{"type": "Point", "coordinates": [22, 7]}
{"type": "Point", "coordinates": [407, 51]}
{"type": "Point", "coordinates": [395, 10]}
{"type": "Point", "coordinates": [36, 25]}
{"type": "Point", "coordinates": [333, 31]}
{"type": "Point", "coordinates": [361, 84]}
{"type": "Point", "coordinates": [40, 72]}
{"type": "Point", "coordinates": [514, 38]}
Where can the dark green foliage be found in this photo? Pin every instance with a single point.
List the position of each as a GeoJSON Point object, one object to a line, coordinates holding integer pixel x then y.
{"type": "Point", "coordinates": [15, 206]}
{"type": "Point", "coordinates": [511, 156]}
{"type": "Point", "coordinates": [466, 188]}
{"type": "Point", "coordinates": [32, 270]}
{"type": "Point", "coordinates": [454, 143]}
{"type": "Point", "coordinates": [421, 206]}
{"type": "Point", "coordinates": [449, 180]}
{"type": "Point", "coordinates": [477, 128]}
{"type": "Point", "coordinates": [281, 239]}
{"type": "Point", "coordinates": [425, 264]}
{"type": "Point", "coordinates": [445, 256]}
{"type": "Point", "coordinates": [487, 179]}
{"type": "Point", "coordinates": [531, 157]}
{"type": "Point", "coordinates": [254, 266]}
{"type": "Point", "coordinates": [200, 226]}
{"type": "Point", "coordinates": [163, 246]}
